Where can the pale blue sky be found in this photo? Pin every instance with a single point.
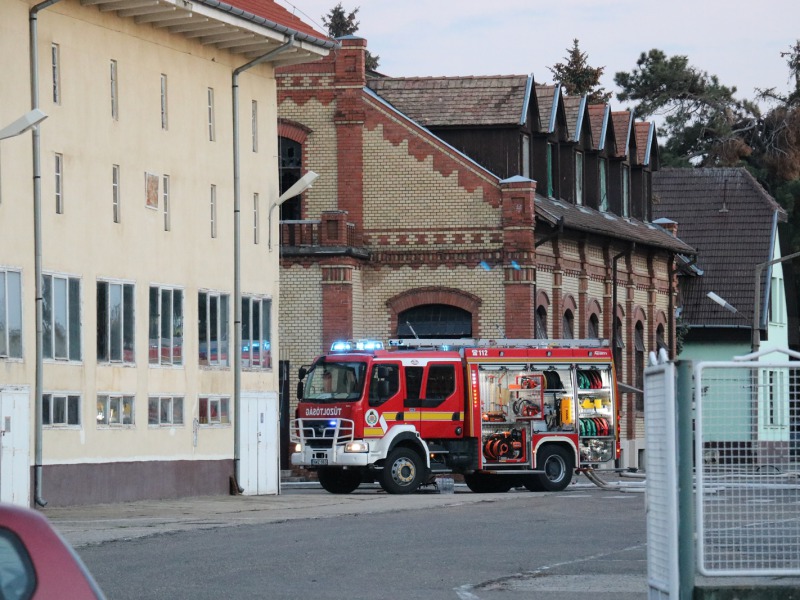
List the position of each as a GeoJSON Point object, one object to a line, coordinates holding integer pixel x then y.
{"type": "Point", "coordinates": [740, 41]}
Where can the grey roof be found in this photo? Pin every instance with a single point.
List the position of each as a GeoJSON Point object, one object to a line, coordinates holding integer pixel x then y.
{"type": "Point", "coordinates": [582, 218]}
{"type": "Point", "coordinates": [444, 101]}
{"type": "Point", "coordinates": [730, 219]}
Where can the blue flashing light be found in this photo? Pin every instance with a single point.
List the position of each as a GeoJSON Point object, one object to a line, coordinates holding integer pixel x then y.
{"type": "Point", "coordinates": [362, 345]}
{"type": "Point", "coordinates": [369, 345]}
{"type": "Point", "coordinates": [332, 423]}
{"type": "Point", "coordinates": [341, 346]}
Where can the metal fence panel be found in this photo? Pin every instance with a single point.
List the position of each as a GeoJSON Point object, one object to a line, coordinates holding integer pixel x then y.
{"type": "Point", "coordinates": [747, 471]}
{"type": "Point", "coordinates": [662, 481]}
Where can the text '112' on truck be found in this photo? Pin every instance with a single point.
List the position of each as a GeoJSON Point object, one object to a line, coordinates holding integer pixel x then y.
{"type": "Point", "coordinates": [502, 413]}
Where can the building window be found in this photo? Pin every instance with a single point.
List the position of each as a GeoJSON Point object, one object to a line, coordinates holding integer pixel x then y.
{"type": "Point", "coordinates": [579, 178]}
{"type": "Point", "coordinates": [619, 346]}
{"type": "Point", "coordinates": [10, 314]}
{"type": "Point", "coordinates": [114, 409]}
{"type": "Point", "coordinates": [254, 125]}
{"type": "Point", "coordinates": [164, 120]}
{"type": "Point", "coordinates": [568, 325]}
{"type": "Point", "coordinates": [541, 323]}
{"type": "Point", "coordinates": [212, 134]}
{"type": "Point", "coordinates": [256, 219]}
{"type": "Point", "coordinates": [526, 156]}
{"type": "Point", "coordinates": [256, 323]}
{"type": "Point", "coordinates": [115, 207]}
{"type": "Point", "coordinates": [776, 306]}
{"type": "Point", "coordinates": [213, 211]}
{"type": "Point", "coordinates": [61, 318]}
{"type": "Point", "coordinates": [549, 166]}
{"type": "Point", "coordinates": [59, 183]}
{"type": "Point", "coordinates": [291, 154]}
{"type": "Point", "coordinates": [60, 410]}
{"type": "Point", "coordinates": [165, 410]}
{"type": "Point", "coordinates": [115, 322]}
{"type": "Point", "coordinates": [214, 410]}
{"type": "Point", "coordinates": [660, 339]}
{"type": "Point", "coordinates": [55, 61]}
{"type": "Point", "coordinates": [165, 201]}
{"type": "Point", "coordinates": [626, 191]}
{"type": "Point", "coordinates": [603, 176]}
{"type": "Point", "coordinates": [114, 90]}
{"type": "Point", "coordinates": [774, 382]}
{"type": "Point", "coordinates": [212, 310]}
{"type": "Point", "coordinates": [166, 326]}
{"type": "Point", "coordinates": [593, 328]}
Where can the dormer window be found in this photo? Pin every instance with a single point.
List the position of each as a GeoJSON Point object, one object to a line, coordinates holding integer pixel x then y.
{"type": "Point", "coordinates": [603, 177]}
{"type": "Point", "coordinates": [579, 178]}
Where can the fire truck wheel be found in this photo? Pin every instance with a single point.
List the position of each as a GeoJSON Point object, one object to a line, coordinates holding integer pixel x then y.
{"type": "Point", "coordinates": [481, 483]}
{"type": "Point", "coordinates": [532, 483]}
{"type": "Point", "coordinates": [558, 465]}
{"type": "Point", "coordinates": [402, 472]}
{"type": "Point", "coordinates": [339, 481]}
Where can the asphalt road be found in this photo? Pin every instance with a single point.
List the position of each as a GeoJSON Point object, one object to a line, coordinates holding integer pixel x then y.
{"type": "Point", "coordinates": [583, 543]}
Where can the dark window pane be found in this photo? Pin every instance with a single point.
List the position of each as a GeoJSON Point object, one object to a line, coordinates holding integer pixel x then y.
{"type": "Point", "coordinates": [152, 411]}
{"type": "Point", "coordinates": [128, 341]}
{"type": "Point", "coordinates": [177, 411]}
{"type": "Point", "coordinates": [166, 327]}
{"type": "Point", "coordinates": [202, 327]}
{"type": "Point", "coordinates": [153, 327]}
{"type": "Point", "coordinates": [441, 382]}
{"type": "Point", "coordinates": [73, 410]}
{"type": "Point", "coordinates": [413, 382]}
{"type": "Point", "coordinates": [177, 327]}
{"type": "Point", "coordinates": [46, 400]}
{"type": "Point", "coordinates": [47, 316]}
{"type": "Point", "coordinates": [60, 317]}
{"type": "Point", "coordinates": [102, 321]}
{"type": "Point", "coordinates": [75, 319]}
{"type": "Point", "coordinates": [115, 321]}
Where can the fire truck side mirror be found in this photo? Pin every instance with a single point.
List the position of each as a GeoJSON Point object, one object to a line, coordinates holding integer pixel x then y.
{"type": "Point", "coordinates": [301, 373]}
{"type": "Point", "coordinates": [299, 390]}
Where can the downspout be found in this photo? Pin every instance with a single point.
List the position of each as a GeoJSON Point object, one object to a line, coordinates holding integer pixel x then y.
{"type": "Point", "coordinates": [614, 314]}
{"type": "Point", "coordinates": [237, 283]}
{"type": "Point", "coordinates": [37, 245]}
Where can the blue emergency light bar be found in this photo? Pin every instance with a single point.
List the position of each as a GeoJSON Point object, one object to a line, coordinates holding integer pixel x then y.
{"type": "Point", "coordinates": [345, 346]}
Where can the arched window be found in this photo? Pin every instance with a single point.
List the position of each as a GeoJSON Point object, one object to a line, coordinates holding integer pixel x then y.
{"type": "Point", "coordinates": [593, 327]}
{"type": "Point", "coordinates": [619, 346]}
{"type": "Point", "coordinates": [541, 323]}
{"type": "Point", "coordinates": [661, 341]}
{"type": "Point", "coordinates": [430, 321]}
{"type": "Point", "coordinates": [638, 377]}
{"type": "Point", "coordinates": [568, 325]}
{"type": "Point", "coordinates": [291, 154]}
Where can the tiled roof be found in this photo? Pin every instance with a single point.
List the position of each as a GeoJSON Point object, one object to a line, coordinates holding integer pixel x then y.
{"type": "Point", "coordinates": [572, 109]}
{"type": "Point", "coordinates": [642, 139]}
{"type": "Point", "coordinates": [443, 101]}
{"type": "Point", "coordinates": [621, 121]}
{"type": "Point", "coordinates": [582, 218]}
{"type": "Point", "coordinates": [544, 97]}
{"type": "Point", "coordinates": [728, 217]}
{"type": "Point", "coordinates": [271, 11]}
{"type": "Point", "coordinates": [597, 116]}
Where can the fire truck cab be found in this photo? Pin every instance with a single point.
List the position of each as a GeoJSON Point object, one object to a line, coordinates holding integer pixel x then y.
{"type": "Point", "coordinates": [503, 413]}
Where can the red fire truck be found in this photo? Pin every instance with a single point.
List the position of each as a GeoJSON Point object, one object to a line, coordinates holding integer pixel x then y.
{"type": "Point", "coordinates": [503, 413]}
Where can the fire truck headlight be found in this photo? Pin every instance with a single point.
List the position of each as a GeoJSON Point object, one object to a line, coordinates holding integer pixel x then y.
{"type": "Point", "coordinates": [356, 447]}
{"type": "Point", "coordinates": [298, 447]}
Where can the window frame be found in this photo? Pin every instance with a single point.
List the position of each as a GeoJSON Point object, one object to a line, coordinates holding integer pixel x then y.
{"type": "Point", "coordinates": [114, 89]}
{"type": "Point", "coordinates": [155, 419]}
{"type": "Point", "coordinates": [626, 191]}
{"type": "Point", "coordinates": [254, 123]}
{"type": "Point", "coordinates": [579, 168]}
{"type": "Point", "coordinates": [127, 324]}
{"type": "Point", "coordinates": [602, 166]}
{"type": "Point", "coordinates": [264, 361]}
{"type": "Point", "coordinates": [213, 211]}
{"type": "Point", "coordinates": [223, 404]}
{"type": "Point", "coordinates": [121, 401]}
{"type": "Point", "coordinates": [165, 354]}
{"type": "Point", "coordinates": [58, 182]}
{"type": "Point", "coordinates": [11, 314]}
{"type": "Point", "coordinates": [55, 62]}
{"type": "Point", "coordinates": [70, 311]}
{"type": "Point", "coordinates": [49, 410]}
{"type": "Point", "coordinates": [206, 300]}
{"type": "Point", "coordinates": [256, 219]}
{"type": "Point", "coordinates": [164, 104]}
{"type": "Point", "coordinates": [212, 129]}
{"type": "Point", "coordinates": [165, 200]}
{"type": "Point", "coordinates": [116, 214]}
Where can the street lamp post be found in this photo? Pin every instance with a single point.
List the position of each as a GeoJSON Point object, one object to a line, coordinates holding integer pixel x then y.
{"type": "Point", "coordinates": [299, 186]}
{"type": "Point", "coordinates": [27, 121]}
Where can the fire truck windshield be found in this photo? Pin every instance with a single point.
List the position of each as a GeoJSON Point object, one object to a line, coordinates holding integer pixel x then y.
{"type": "Point", "coordinates": [335, 382]}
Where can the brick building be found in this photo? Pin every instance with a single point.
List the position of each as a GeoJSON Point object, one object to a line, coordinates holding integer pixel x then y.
{"type": "Point", "coordinates": [468, 207]}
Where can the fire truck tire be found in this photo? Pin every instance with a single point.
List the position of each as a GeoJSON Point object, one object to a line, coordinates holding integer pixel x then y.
{"type": "Point", "coordinates": [339, 481]}
{"type": "Point", "coordinates": [482, 483]}
{"type": "Point", "coordinates": [403, 471]}
{"type": "Point", "coordinates": [532, 483]}
{"type": "Point", "coordinates": [558, 465]}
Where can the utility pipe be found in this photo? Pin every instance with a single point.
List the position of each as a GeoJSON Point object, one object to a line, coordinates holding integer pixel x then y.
{"type": "Point", "coordinates": [33, 23]}
{"type": "Point", "coordinates": [237, 283]}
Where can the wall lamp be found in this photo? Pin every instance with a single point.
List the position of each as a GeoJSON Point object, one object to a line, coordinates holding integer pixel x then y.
{"type": "Point", "coordinates": [300, 186]}
{"type": "Point", "coordinates": [23, 124]}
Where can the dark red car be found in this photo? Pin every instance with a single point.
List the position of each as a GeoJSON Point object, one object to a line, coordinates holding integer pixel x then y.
{"type": "Point", "coordinates": [37, 563]}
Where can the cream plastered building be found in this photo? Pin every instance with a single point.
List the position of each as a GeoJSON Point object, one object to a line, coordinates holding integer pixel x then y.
{"type": "Point", "coordinates": [140, 173]}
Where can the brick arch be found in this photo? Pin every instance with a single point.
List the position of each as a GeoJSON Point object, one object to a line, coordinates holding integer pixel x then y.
{"type": "Point", "coordinates": [568, 303]}
{"type": "Point", "coordinates": [434, 295]}
{"type": "Point", "coordinates": [293, 130]}
{"type": "Point", "coordinates": [639, 315]}
{"type": "Point", "coordinates": [593, 308]}
{"type": "Point", "coordinates": [542, 299]}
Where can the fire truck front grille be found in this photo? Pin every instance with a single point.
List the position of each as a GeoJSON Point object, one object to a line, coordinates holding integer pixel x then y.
{"type": "Point", "coordinates": [322, 433]}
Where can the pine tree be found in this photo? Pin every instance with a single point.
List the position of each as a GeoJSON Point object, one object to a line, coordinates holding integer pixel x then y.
{"type": "Point", "coordinates": [341, 23]}
{"type": "Point", "coordinates": [578, 78]}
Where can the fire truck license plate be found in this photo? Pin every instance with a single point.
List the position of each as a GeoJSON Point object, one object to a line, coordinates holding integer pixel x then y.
{"type": "Point", "coordinates": [319, 461]}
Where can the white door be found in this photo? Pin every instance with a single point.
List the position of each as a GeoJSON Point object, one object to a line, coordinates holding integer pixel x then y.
{"type": "Point", "coordinates": [259, 463]}
{"type": "Point", "coordinates": [15, 471]}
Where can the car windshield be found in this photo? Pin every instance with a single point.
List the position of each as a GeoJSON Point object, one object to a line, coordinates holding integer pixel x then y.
{"type": "Point", "coordinates": [335, 382]}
